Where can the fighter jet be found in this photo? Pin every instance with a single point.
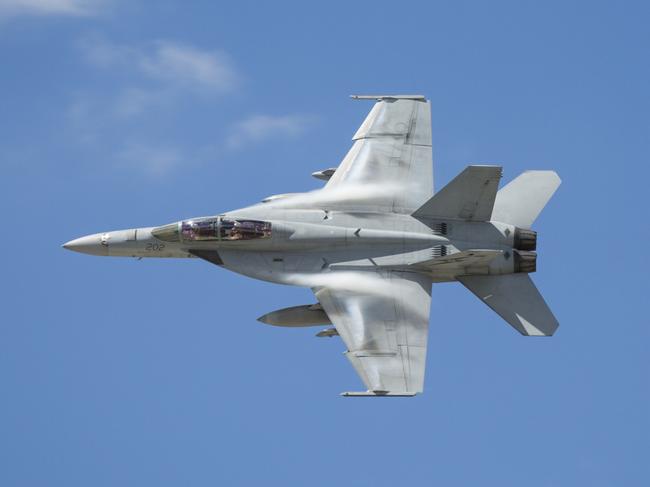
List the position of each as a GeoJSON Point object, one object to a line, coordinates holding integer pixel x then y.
{"type": "Point", "coordinates": [372, 241]}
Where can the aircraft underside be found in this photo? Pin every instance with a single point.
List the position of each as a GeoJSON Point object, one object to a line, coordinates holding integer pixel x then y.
{"type": "Point", "coordinates": [372, 241]}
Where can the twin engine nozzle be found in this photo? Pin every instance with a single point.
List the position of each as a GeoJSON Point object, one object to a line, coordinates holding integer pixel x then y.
{"type": "Point", "coordinates": [525, 244]}
{"type": "Point", "coordinates": [525, 239]}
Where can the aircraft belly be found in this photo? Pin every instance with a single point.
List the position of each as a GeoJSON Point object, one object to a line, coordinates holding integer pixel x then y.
{"type": "Point", "coordinates": [396, 259]}
{"type": "Point", "coordinates": [278, 267]}
{"type": "Point", "coordinates": [283, 267]}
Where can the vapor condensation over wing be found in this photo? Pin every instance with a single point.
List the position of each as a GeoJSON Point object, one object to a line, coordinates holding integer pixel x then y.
{"type": "Point", "coordinates": [359, 284]}
{"type": "Point", "coordinates": [345, 193]}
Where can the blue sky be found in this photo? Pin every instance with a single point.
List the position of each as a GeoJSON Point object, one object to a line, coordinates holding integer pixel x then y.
{"type": "Point", "coordinates": [117, 114]}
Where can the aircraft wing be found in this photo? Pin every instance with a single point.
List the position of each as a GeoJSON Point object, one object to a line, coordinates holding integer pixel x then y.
{"type": "Point", "coordinates": [383, 318]}
{"type": "Point", "coordinates": [390, 161]}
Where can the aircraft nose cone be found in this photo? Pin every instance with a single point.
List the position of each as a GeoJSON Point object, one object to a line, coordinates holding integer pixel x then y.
{"type": "Point", "coordinates": [91, 244]}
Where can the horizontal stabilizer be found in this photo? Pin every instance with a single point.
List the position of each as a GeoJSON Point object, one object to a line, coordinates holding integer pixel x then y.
{"type": "Point", "coordinates": [516, 299]}
{"type": "Point", "coordinates": [521, 200]}
{"type": "Point", "coordinates": [469, 196]}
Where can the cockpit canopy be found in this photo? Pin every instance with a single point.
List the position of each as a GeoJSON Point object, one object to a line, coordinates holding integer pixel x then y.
{"type": "Point", "coordinates": [213, 228]}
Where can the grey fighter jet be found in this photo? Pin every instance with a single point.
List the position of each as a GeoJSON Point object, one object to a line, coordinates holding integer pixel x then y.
{"type": "Point", "coordinates": [372, 241]}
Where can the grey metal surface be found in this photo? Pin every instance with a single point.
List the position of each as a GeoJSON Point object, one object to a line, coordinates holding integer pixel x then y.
{"type": "Point", "coordinates": [371, 242]}
{"type": "Point", "coordinates": [469, 196]}
{"type": "Point", "coordinates": [327, 333]}
{"type": "Point", "coordinates": [516, 299]}
{"type": "Point", "coordinates": [297, 316]}
{"type": "Point", "coordinates": [324, 174]}
{"type": "Point", "coordinates": [391, 157]}
{"type": "Point", "coordinates": [522, 199]}
{"type": "Point", "coordinates": [384, 323]}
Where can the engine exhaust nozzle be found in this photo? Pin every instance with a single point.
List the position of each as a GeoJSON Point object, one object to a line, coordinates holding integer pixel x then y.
{"type": "Point", "coordinates": [525, 239]}
{"type": "Point", "coordinates": [525, 261]}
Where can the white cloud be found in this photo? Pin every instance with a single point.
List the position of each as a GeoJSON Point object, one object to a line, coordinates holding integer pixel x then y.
{"type": "Point", "coordinates": [260, 127]}
{"type": "Point", "coordinates": [9, 8]}
{"type": "Point", "coordinates": [168, 63]}
{"type": "Point", "coordinates": [188, 65]}
{"type": "Point", "coordinates": [154, 75]}
{"type": "Point", "coordinates": [141, 88]}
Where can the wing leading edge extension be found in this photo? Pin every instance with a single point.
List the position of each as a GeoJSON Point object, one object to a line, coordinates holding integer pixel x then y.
{"type": "Point", "coordinates": [383, 318]}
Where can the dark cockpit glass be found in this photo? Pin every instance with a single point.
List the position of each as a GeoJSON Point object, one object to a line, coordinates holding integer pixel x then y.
{"type": "Point", "coordinates": [244, 229]}
{"type": "Point", "coordinates": [206, 229]}
{"type": "Point", "coordinates": [200, 230]}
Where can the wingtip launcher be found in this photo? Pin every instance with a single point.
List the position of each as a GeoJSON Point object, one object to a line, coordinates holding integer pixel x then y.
{"type": "Point", "coordinates": [378, 394]}
{"type": "Point", "coordinates": [389, 97]}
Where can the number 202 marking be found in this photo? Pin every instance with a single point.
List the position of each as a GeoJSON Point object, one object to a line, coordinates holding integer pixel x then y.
{"type": "Point", "coordinates": [154, 247]}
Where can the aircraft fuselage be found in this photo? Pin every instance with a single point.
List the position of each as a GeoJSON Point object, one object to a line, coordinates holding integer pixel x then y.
{"type": "Point", "coordinates": [274, 244]}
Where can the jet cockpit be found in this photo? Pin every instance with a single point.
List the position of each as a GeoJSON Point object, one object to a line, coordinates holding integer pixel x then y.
{"type": "Point", "coordinates": [213, 228]}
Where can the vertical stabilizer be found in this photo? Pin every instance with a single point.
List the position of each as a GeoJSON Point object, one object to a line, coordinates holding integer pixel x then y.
{"type": "Point", "coordinates": [469, 196]}
{"type": "Point", "coordinates": [522, 199]}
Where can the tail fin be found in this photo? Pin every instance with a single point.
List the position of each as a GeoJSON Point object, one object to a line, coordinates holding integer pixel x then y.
{"type": "Point", "coordinates": [516, 299]}
{"type": "Point", "coordinates": [469, 196]}
{"type": "Point", "coordinates": [521, 200]}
